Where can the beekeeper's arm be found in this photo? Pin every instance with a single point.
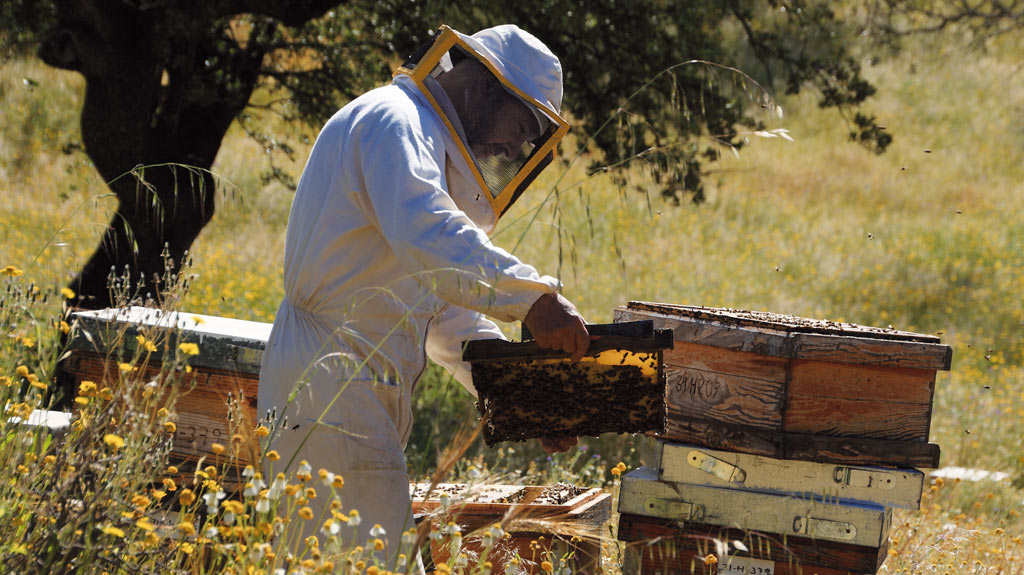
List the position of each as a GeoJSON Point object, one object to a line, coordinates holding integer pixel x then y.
{"type": "Point", "coordinates": [399, 158]}
{"type": "Point", "coordinates": [446, 335]}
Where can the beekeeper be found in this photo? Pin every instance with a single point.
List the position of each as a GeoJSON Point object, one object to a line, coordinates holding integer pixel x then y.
{"type": "Point", "coordinates": [388, 261]}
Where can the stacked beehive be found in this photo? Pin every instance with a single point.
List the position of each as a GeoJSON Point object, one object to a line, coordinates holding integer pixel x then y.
{"type": "Point", "coordinates": [787, 443]}
{"type": "Point", "coordinates": [227, 363]}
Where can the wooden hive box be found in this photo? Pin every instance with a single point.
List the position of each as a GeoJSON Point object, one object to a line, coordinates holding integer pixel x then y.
{"type": "Point", "coordinates": [665, 547]}
{"type": "Point", "coordinates": [547, 515]}
{"type": "Point", "coordinates": [792, 388]}
{"type": "Point", "coordinates": [228, 362]}
{"type": "Point", "coordinates": [698, 465]}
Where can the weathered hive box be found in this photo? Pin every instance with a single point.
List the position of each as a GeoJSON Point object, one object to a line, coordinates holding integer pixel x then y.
{"type": "Point", "coordinates": [528, 392]}
{"type": "Point", "coordinates": [561, 518]}
{"type": "Point", "coordinates": [228, 362]}
{"type": "Point", "coordinates": [665, 547]}
{"type": "Point", "coordinates": [854, 523]}
{"type": "Point", "coordinates": [792, 388]}
{"type": "Point", "coordinates": [698, 465]}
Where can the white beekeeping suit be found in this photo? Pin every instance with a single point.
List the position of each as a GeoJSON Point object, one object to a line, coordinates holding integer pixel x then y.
{"type": "Point", "coordinates": [387, 259]}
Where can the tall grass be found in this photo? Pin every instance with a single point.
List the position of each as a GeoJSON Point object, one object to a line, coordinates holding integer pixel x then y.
{"type": "Point", "coordinates": [927, 237]}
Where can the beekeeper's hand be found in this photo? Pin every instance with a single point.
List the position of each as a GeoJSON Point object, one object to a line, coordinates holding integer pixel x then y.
{"type": "Point", "coordinates": [557, 444]}
{"type": "Point", "coordinates": [556, 324]}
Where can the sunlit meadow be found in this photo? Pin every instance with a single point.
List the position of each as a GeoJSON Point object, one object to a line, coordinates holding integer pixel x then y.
{"type": "Point", "coordinates": [928, 237]}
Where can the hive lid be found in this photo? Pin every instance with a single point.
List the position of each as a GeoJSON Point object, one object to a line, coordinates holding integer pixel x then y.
{"type": "Point", "coordinates": [793, 337]}
{"type": "Point", "coordinates": [780, 322]}
{"type": "Point", "coordinates": [224, 343]}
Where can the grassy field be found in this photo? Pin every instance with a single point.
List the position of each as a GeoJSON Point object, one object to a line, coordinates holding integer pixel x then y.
{"type": "Point", "coordinates": [928, 237]}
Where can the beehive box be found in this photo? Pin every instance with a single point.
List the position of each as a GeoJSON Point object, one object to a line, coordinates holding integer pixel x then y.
{"type": "Point", "coordinates": [526, 392]}
{"type": "Point", "coordinates": [805, 515]}
{"type": "Point", "coordinates": [697, 465]}
{"type": "Point", "coordinates": [793, 388]}
{"type": "Point", "coordinates": [664, 547]}
{"type": "Point", "coordinates": [548, 516]}
{"type": "Point", "coordinates": [228, 362]}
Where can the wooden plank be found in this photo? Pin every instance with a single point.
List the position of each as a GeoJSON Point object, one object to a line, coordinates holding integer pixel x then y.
{"type": "Point", "coordinates": [857, 451]}
{"type": "Point", "coordinates": [742, 363]}
{"type": "Point", "coordinates": [866, 419]}
{"type": "Point", "coordinates": [694, 464]}
{"type": "Point", "coordinates": [770, 343]}
{"type": "Point", "coordinates": [846, 349]}
{"type": "Point", "coordinates": [803, 447]}
{"type": "Point", "coordinates": [719, 436]}
{"type": "Point", "coordinates": [641, 493]}
{"type": "Point", "coordinates": [694, 394]}
{"type": "Point", "coordinates": [482, 350]}
{"type": "Point", "coordinates": [769, 546]}
{"type": "Point", "coordinates": [810, 379]}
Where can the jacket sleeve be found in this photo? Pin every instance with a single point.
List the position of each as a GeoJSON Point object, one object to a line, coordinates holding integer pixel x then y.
{"type": "Point", "coordinates": [397, 157]}
{"type": "Point", "coordinates": [446, 336]}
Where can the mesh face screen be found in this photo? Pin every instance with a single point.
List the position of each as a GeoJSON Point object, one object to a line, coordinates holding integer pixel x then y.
{"type": "Point", "coordinates": [499, 158]}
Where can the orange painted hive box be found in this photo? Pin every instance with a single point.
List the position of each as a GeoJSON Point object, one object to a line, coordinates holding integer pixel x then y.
{"type": "Point", "coordinates": [227, 364]}
{"type": "Point", "coordinates": [559, 523]}
{"type": "Point", "coordinates": [795, 388]}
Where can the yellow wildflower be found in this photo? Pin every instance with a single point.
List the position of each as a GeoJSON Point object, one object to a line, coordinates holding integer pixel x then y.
{"type": "Point", "coordinates": [5, 381]}
{"type": "Point", "coordinates": [22, 370]}
{"type": "Point", "coordinates": [11, 271]}
{"type": "Point", "coordinates": [83, 401]}
{"type": "Point", "coordinates": [262, 431]}
{"type": "Point", "coordinates": [111, 530]}
{"type": "Point", "coordinates": [158, 494]}
{"type": "Point", "coordinates": [186, 497]}
{"type": "Point", "coordinates": [28, 342]}
{"type": "Point", "coordinates": [50, 459]}
{"type": "Point", "coordinates": [306, 513]}
{"type": "Point", "coordinates": [338, 482]}
{"type": "Point", "coordinates": [169, 484]}
{"type": "Point", "coordinates": [37, 384]}
{"type": "Point", "coordinates": [64, 327]}
{"type": "Point", "coordinates": [67, 292]}
{"type": "Point", "coordinates": [114, 441]}
{"type": "Point", "coordinates": [140, 501]}
{"type": "Point", "coordinates": [86, 388]}
{"type": "Point", "coordinates": [378, 544]}
{"type": "Point", "coordinates": [546, 566]}
{"type": "Point", "coordinates": [372, 570]}
{"type": "Point", "coordinates": [273, 455]}
{"type": "Point", "coordinates": [189, 348]}
{"type": "Point", "coordinates": [145, 524]}
{"type": "Point", "coordinates": [170, 426]}
{"type": "Point", "coordinates": [217, 448]}
{"type": "Point", "coordinates": [126, 367]}
{"type": "Point", "coordinates": [172, 469]}
{"type": "Point", "coordinates": [187, 548]}
{"type": "Point", "coordinates": [145, 343]}
{"type": "Point", "coordinates": [710, 559]}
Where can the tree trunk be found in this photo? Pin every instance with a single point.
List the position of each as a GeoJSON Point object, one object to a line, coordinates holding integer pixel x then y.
{"type": "Point", "coordinates": [162, 87]}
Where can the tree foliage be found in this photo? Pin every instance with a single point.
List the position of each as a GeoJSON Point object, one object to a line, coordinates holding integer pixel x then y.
{"type": "Point", "coordinates": [166, 78]}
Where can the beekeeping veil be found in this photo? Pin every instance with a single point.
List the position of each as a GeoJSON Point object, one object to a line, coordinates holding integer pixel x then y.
{"type": "Point", "coordinates": [526, 69]}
